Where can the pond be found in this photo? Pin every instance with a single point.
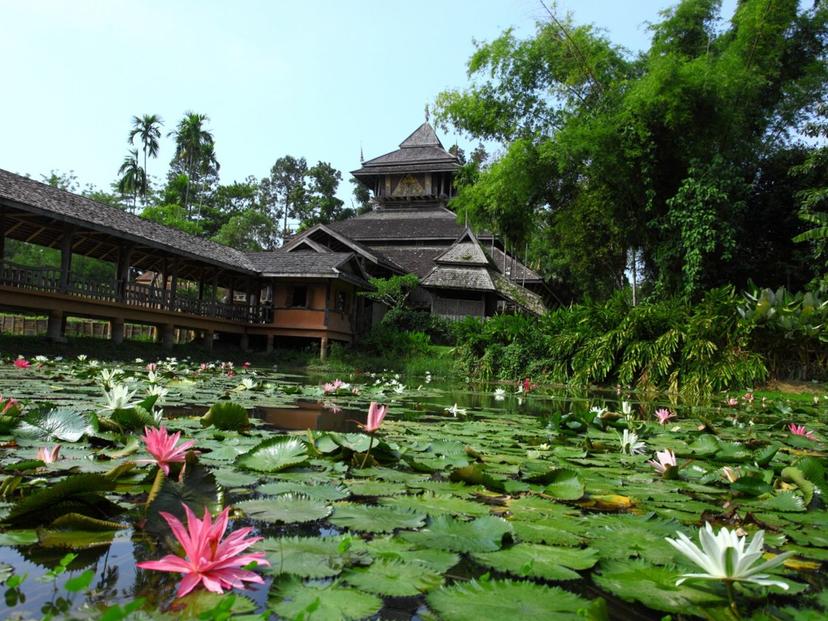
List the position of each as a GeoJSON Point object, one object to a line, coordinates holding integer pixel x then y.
{"type": "Point", "coordinates": [470, 501]}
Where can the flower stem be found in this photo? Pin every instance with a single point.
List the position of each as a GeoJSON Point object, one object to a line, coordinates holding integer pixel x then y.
{"type": "Point", "coordinates": [731, 595]}
{"type": "Point", "coordinates": [368, 452]}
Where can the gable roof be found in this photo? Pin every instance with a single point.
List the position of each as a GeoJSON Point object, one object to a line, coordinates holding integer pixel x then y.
{"type": "Point", "coordinates": [423, 136]}
{"type": "Point", "coordinates": [400, 224]}
{"type": "Point", "coordinates": [280, 263]}
{"type": "Point", "coordinates": [33, 196]}
{"type": "Point", "coordinates": [421, 151]}
{"type": "Point", "coordinates": [457, 277]}
{"type": "Point", "coordinates": [307, 237]}
{"type": "Point", "coordinates": [465, 251]}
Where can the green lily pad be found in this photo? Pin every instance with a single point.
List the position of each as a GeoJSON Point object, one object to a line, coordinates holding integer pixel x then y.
{"type": "Point", "coordinates": [286, 509]}
{"type": "Point", "coordinates": [374, 519]}
{"type": "Point", "coordinates": [390, 578]}
{"type": "Point", "coordinates": [274, 455]}
{"type": "Point", "coordinates": [531, 560]}
{"type": "Point", "coordinates": [484, 534]}
{"type": "Point", "coordinates": [290, 598]}
{"type": "Point", "coordinates": [505, 599]}
{"type": "Point", "coordinates": [310, 557]}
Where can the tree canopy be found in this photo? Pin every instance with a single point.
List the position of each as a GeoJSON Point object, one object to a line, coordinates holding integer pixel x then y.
{"type": "Point", "coordinates": [683, 151]}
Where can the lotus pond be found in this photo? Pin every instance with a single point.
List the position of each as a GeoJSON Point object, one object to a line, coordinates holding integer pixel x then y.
{"type": "Point", "coordinates": [470, 502]}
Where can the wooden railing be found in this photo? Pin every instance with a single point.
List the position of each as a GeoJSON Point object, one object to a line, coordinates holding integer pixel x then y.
{"type": "Point", "coordinates": [132, 294]}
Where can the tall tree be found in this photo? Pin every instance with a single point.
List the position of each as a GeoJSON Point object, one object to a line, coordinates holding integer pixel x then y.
{"type": "Point", "coordinates": [147, 129]}
{"type": "Point", "coordinates": [604, 151]}
{"type": "Point", "coordinates": [322, 205]}
{"type": "Point", "coordinates": [194, 154]}
{"type": "Point", "coordinates": [362, 196]}
{"type": "Point", "coordinates": [133, 177]}
{"type": "Point", "coordinates": [286, 189]}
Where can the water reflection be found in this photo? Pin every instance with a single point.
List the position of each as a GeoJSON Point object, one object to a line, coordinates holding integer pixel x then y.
{"type": "Point", "coordinates": [315, 415]}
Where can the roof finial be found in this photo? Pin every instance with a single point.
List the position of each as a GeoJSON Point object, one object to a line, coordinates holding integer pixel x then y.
{"type": "Point", "coordinates": [426, 113]}
{"type": "Point", "coordinates": [361, 156]}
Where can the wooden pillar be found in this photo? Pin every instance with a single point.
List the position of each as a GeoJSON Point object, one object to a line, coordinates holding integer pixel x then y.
{"type": "Point", "coordinates": [323, 348]}
{"type": "Point", "coordinates": [165, 273]}
{"type": "Point", "coordinates": [66, 258]}
{"type": "Point", "coordinates": [116, 330]}
{"type": "Point", "coordinates": [327, 301]}
{"type": "Point", "coordinates": [56, 327]}
{"type": "Point", "coordinates": [244, 342]}
{"type": "Point", "coordinates": [167, 335]}
{"type": "Point", "coordinates": [124, 256]}
{"type": "Point", "coordinates": [269, 344]}
{"type": "Point", "coordinates": [201, 286]}
{"type": "Point", "coordinates": [2, 233]}
{"type": "Point", "coordinates": [207, 340]}
{"type": "Point", "coordinates": [173, 284]}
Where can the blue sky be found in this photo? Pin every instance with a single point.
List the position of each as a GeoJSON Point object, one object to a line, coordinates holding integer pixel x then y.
{"type": "Point", "coordinates": [312, 78]}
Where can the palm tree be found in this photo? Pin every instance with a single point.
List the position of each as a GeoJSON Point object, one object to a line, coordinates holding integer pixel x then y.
{"type": "Point", "coordinates": [193, 147]}
{"type": "Point", "coordinates": [133, 177]}
{"type": "Point", "coordinates": [147, 129]}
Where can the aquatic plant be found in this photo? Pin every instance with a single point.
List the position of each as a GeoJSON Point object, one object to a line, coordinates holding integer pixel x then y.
{"type": "Point", "coordinates": [664, 461]}
{"type": "Point", "coordinates": [164, 447]}
{"type": "Point", "coordinates": [801, 430]}
{"type": "Point", "coordinates": [48, 455]}
{"type": "Point", "coordinates": [663, 415]}
{"type": "Point", "coordinates": [22, 363]}
{"type": "Point", "coordinates": [723, 557]}
{"type": "Point", "coordinates": [119, 397]}
{"type": "Point", "coordinates": [630, 444]}
{"type": "Point", "coordinates": [210, 559]}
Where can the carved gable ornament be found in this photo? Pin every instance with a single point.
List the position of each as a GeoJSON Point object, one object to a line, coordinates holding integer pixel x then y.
{"type": "Point", "coordinates": [409, 186]}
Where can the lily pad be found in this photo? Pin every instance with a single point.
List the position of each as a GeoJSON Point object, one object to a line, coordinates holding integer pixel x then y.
{"type": "Point", "coordinates": [485, 534]}
{"type": "Point", "coordinates": [274, 455]}
{"type": "Point", "coordinates": [391, 578]}
{"type": "Point", "coordinates": [286, 509]}
{"type": "Point", "coordinates": [374, 519]}
{"type": "Point", "coordinates": [290, 598]}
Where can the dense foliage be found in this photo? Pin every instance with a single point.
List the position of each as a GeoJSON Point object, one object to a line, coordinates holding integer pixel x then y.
{"type": "Point", "coordinates": [682, 154]}
{"type": "Point", "coordinates": [724, 341]}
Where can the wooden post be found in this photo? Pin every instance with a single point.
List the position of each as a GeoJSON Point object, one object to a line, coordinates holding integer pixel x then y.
{"type": "Point", "coordinates": [244, 342]}
{"type": "Point", "coordinates": [269, 344]}
{"type": "Point", "coordinates": [124, 256]}
{"type": "Point", "coordinates": [116, 330]}
{"type": "Point", "coordinates": [207, 340]}
{"type": "Point", "coordinates": [2, 233]}
{"type": "Point", "coordinates": [164, 275]}
{"type": "Point", "coordinates": [167, 334]}
{"type": "Point", "coordinates": [173, 284]}
{"type": "Point", "coordinates": [55, 329]}
{"type": "Point", "coordinates": [66, 258]}
{"type": "Point", "coordinates": [323, 348]}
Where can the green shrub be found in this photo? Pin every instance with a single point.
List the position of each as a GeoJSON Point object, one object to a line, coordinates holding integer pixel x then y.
{"type": "Point", "coordinates": [413, 320]}
{"type": "Point", "coordinates": [664, 343]}
{"type": "Point", "coordinates": [386, 341]}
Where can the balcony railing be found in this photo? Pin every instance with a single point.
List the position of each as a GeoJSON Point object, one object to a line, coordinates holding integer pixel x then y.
{"type": "Point", "coordinates": [132, 294]}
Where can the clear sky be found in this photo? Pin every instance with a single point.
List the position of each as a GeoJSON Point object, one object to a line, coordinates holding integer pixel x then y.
{"type": "Point", "coordinates": [312, 78]}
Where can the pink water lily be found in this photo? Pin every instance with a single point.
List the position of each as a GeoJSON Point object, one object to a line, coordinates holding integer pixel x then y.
{"type": "Point", "coordinates": [330, 387]}
{"type": "Point", "coordinates": [22, 363]}
{"type": "Point", "coordinates": [664, 460]}
{"type": "Point", "coordinates": [376, 414]}
{"type": "Point", "coordinates": [208, 560]}
{"type": "Point", "coordinates": [48, 455]}
{"type": "Point", "coordinates": [801, 430]}
{"type": "Point", "coordinates": [164, 447]}
{"type": "Point", "coordinates": [663, 415]}
{"type": "Point", "coordinates": [8, 406]}
{"type": "Point", "coordinates": [732, 402]}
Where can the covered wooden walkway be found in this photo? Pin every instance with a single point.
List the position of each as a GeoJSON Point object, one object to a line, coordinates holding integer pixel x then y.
{"type": "Point", "coordinates": [200, 285]}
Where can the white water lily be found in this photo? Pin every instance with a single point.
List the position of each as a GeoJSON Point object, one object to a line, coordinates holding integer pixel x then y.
{"type": "Point", "coordinates": [499, 394]}
{"type": "Point", "coordinates": [626, 408]}
{"type": "Point", "coordinates": [155, 390]}
{"type": "Point", "coordinates": [107, 376]}
{"type": "Point", "coordinates": [399, 389]}
{"type": "Point", "coordinates": [597, 410]}
{"type": "Point", "coordinates": [41, 359]}
{"type": "Point", "coordinates": [454, 410]}
{"type": "Point", "coordinates": [723, 556]}
{"type": "Point", "coordinates": [119, 397]}
{"type": "Point", "coordinates": [630, 444]}
{"type": "Point", "coordinates": [152, 377]}
{"type": "Point", "coordinates": [82, 357]}
{"type": "Point", "coordinates": [246, 384]}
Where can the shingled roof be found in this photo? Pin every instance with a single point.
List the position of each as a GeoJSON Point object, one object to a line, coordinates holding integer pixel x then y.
{"type": "Point", "coordinates": [465, 251]}
{"type": "Point", "coordinates": [456, 277]}
{"type": "Point", "coordinates": [421, 151]}
{"type": "Point", "coordinates": [400, 224]}
{"type": "Point", "coordinates": [40, 198]}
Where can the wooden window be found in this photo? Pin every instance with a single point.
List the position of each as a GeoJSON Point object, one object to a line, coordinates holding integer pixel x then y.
{"type": "Point", "coordinates": [299, 297]}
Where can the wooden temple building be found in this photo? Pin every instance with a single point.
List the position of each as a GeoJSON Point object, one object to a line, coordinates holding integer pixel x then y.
{"type": "Point", "coordinates": [308, 288]}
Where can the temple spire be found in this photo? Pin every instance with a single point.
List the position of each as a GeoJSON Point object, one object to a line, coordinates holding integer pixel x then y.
{"type": "Point", "coordinates": [427, 114]}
